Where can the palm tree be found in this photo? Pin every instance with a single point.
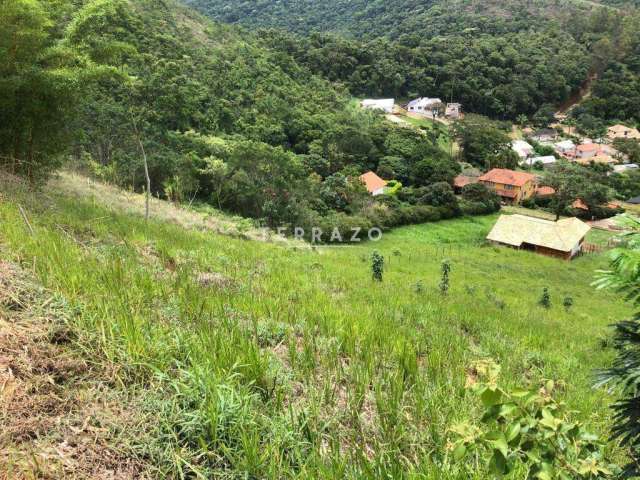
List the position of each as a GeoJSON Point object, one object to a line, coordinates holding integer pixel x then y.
{"type": "Point", "coordinates": [522, 120]}
{"type": "Point", "coordinates": [570, 122]}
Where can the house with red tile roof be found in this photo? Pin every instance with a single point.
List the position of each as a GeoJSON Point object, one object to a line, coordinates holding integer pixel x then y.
{"type": "Point", "coordinates": [374, 184]}
{"type": "Point", "coordinates": [511, 186]}
{"type": "Point", "coordinates": [587, 150]}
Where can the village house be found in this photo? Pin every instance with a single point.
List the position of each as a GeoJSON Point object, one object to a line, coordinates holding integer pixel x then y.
{"type": "Point", "coordinates": [600, 157]}
{"type": "Point", "coordinates": [546, 161]}
{"type": "Point", "coordinates": [386, 104]}
{"type": "Point", "coordinates": [453, 111]}
{"type": "Point", "coordinates": [509, 185]}
{"type": "Point", "coordinates": [587, 150]}
{"type": "Point", "coordinates": [522, 148]}
{"type": "Point", "coordinates": [622, 131]}
{"type": "Point", "coordinates": [544, 135]}
{"type": "Point", "coordinates": [426, 106]}
{"type": "Point", "coordinates": [565, 148]}
{"type": "Point", "coordinates": [561, 239]}
{"type": "Point", "coordinates": [373, 183]}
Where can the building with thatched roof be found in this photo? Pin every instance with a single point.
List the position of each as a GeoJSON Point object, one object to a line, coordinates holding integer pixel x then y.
{"type": "Point", "coordinates": [562, 239]}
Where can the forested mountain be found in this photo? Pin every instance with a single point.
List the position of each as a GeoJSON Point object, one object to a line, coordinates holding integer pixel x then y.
{"type": "Point", "coordinates": [501, 58]}
{"type": "Point", "coordinates": [394, 18]}
{"type": "Point", "coordinates": [220, 117]}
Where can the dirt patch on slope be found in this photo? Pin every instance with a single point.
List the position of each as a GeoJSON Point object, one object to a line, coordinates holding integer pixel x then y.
{"type": "Point", "coordinates": [59, 418]}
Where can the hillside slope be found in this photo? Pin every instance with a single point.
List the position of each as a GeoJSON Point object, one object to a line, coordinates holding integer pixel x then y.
{"type": "Point", "coordinates": [267, 362]}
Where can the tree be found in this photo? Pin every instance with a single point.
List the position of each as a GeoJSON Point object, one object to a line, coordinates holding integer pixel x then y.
{"type": "Point", "coordinates": [482, 142]}
{"type": "Point", "coordinates": [439, 194]}
{"type": "Point", "coordinates": [147, 195]}
{"type": "Point", "coordinates": [568, 181]}
{"type": "Point", "coordinates": [522, 120]}
{"type": "Point", "coordinates": [39, 86]}
{"type": "Point", "coordinates": [434, 169]}
{"type": "Point", "coordinates": [544, 116]}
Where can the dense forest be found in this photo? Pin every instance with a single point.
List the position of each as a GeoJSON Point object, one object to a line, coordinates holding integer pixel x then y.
{"type": "Point", "coordinates": [499, 58]}
{"type": "Point", "coordinates": [394, 18]}
{"type": "Point", "coordinates": [220, 117]}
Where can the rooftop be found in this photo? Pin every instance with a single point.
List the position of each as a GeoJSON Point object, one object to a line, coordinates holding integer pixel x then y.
{"type": "Point", "coordinates": [463, 180]}
{"type": "Point", "coordinates": [507, 177]}
{"type": "Point", "coordinates": [588, 147]}
{"type": "Point", "coordinates": [372, 181]}
{"type": "Point", "coordinates": [622, 131]}
{"type": "Point", "coordinates": [516, 230]}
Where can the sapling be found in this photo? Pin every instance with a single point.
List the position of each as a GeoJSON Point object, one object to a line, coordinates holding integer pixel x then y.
{"type": "Point", "coordinates": [444, 279]}
{"type": "Point", "coordinates": [545, 299]}
{"type": "Point", "coordinates": [567, 303]}
{"type": "Point", "coordinates": [377, 266]}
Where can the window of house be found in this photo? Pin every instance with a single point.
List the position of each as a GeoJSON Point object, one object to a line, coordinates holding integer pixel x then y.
{"type": "Point", "coordinates": [508, 187]}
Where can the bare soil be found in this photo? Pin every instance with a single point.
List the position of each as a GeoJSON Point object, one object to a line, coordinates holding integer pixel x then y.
{"type": "Point", "coordinates": [60, 416]}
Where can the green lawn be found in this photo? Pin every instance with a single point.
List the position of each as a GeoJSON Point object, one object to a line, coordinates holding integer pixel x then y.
{"type": "Point", "coordinates": [278, 362]}
{"type": "Point", "coordinates": [425, 124]}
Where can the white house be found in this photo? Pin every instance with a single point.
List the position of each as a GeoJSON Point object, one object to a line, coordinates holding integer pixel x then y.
{"type": "Point", "coordinates": [625, 168]}
{"type": "Point", "coordinates": [425, 106]}
{"type": "Point", "coordinates": [522, 148]}
{"type": "Point", "coordinates": [546, 161]}
{"type": "Point", "coordinates": [385, 104]}
{"type": "Point", "coordinates": [564, 147]}
{"type": "Point", "coordinates": [453, 110]}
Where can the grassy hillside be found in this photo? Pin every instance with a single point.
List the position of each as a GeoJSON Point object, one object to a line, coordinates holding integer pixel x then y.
{"type": "Point", "coordinates": [280, 362]}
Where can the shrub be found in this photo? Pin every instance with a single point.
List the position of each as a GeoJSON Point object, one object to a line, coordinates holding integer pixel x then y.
{"type": "Point", "coordinates": [478, 208]}
{"type": "Point", "coordinates": [478, 192]}
{"type": "Point", "coordinates": [526, 430]}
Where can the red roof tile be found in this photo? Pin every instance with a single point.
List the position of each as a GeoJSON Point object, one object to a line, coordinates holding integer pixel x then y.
{"type": "Point", "coordinates": [462, 180]}
{"type": "Point", "coordinates": [372, 181]}
{"type": "Point", "coordinates": [507, 177]}
{"type": "Point", "coordinates": [588, 147]}
{"type": "Point", "coordinates": [544, 191]}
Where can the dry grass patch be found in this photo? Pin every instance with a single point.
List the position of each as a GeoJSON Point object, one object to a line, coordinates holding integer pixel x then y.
{"type": "Point", "coordinates": [59, 418]}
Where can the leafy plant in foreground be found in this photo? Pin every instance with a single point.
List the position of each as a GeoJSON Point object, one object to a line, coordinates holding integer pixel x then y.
{"type": "Point", "coordinates": [377, 266]}
{"type": "Point", "coordinates": [624, 373]}
{"type": "Point", "coordinates": [526, 431]}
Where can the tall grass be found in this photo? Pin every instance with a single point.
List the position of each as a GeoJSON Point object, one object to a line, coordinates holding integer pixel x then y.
{"type": "Point", "coordinates": [294, 363]}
